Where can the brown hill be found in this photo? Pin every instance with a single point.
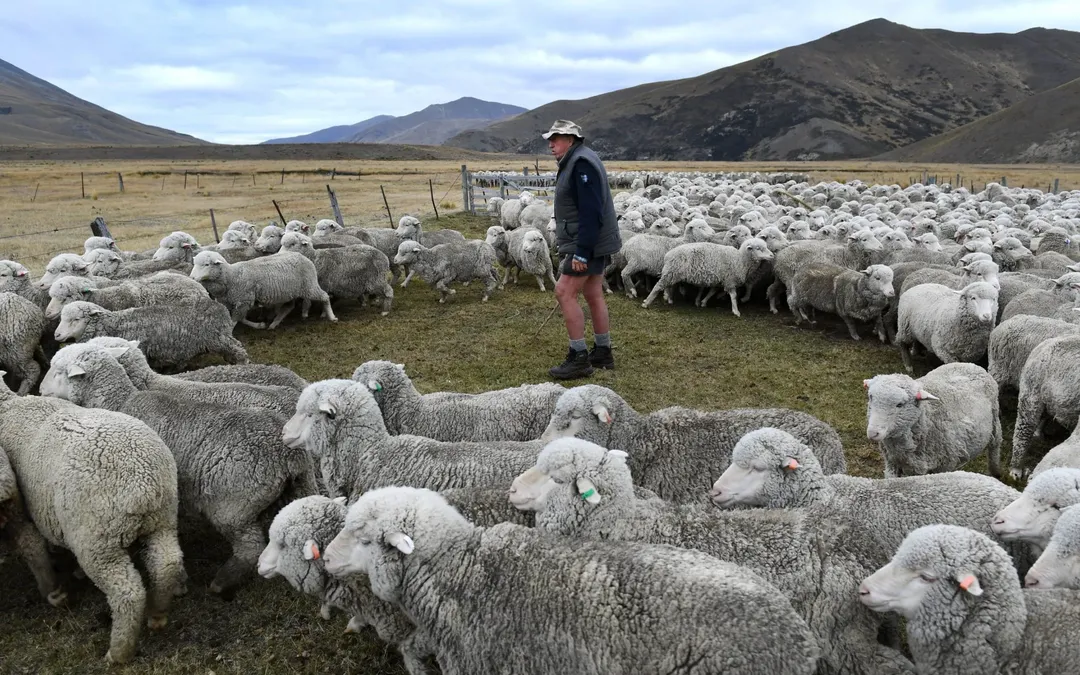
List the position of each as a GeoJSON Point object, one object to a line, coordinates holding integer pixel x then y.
{"type": "Point", "coordinates": [32, 111]}
{"type": "Point", "coordinates": [1042, 129]}
{"type": "Point", "coordinates": [854, 93]}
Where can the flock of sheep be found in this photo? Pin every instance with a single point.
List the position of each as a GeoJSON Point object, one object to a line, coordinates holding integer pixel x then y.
{"type": "Point", "coordinates": [544, 529]}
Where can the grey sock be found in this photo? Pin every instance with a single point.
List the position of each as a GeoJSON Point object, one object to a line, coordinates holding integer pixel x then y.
{"type": "Point", "coordinates": [602, 339]}
{"type": "Point", "coordinates": [579, 345]}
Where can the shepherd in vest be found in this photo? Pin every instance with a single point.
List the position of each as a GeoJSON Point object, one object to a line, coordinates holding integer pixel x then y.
{"type": "Point", "coordinates": [587, 235]}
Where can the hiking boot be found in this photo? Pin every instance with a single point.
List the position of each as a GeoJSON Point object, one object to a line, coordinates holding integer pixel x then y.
{"type": "Point", "coordinates": [576, 365]}
{"type": "Point", "coordinates": [601, 357]}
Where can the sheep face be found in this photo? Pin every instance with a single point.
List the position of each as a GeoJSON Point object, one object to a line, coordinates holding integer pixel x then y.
{"type": "Point", "coordinates": [983, 270]}
{"type": "Point", "coordinates": [270, 239]}
{"type": "Point", "coordinates": [529, 490]}
{"type": "Point", "coordinates": [244, 228]}
{"type": "Point", "coordinates": [175, 247]}
{"type": "Point", "coordinates": [325, 228]}
{"type": "Point", "coordinates": [208, 266]}
{"type": "Point", "coordinates": [865, 241]}
{"type": "Point", "coordinates": [1012, 249]}
{"type": "Point", "coordinates": [104, 262]}
{"type": "Point", "coordinates": [757, 249]}
{"type": "Point", "coordinates": [1059, 564]}
{"type": "Point", "coordinates": [234, 239]}
{"type": "Point", "coordinates": [408, 228]}
{"type": "Point", "coordinates": [1032, 516]}
{"type": "Point", "coordinates": [533, 243]}
{"type": "Point", "coordinates": [408, 253]}
{"type": "Point", "coordinates": [761, 463]}
{"type": "Point", "coordinates": [298, 226]}
{"type": "Point", "coordinates": [980, 301]}
{"type": "Point", "coordinates": [63, 265]}
{"type": "Point", "coordinates": [66, 290]}
{"type": "Point", "coordinates": [74, 318]}
{"type": "Point", "coordinates": [12, 275]}
{"type": "Point", "coordinates": [582, 412]}
{"type": "Point", "coordinates": [737, 235]}
{"type": "Point", "coordinates": [879, 280]}
{"type": "Point", "coordinates": [496, 237]}
{"type": "Point", "coordinates": [98, 243]}
{"type": "Point", "coordinates": [298, 537]}
{"type": "Point", "coordinates": [294, 242]}
{"type": "Point", "coordinates": [893, 405]}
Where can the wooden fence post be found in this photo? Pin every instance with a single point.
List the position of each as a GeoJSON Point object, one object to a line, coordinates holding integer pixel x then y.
{"type": "Point", "coordinates": [502, 187]}
{"type": "Point", "coordinates": [387, 205]}
{"type": "Point", "coordinates": [282, 176]}
{"type": "Point", "coordinates": [333, 172]}
{"type": "Point", "coordinates": [252, 180]}
{"type": "Point", "coordinates": [163, 183]}
{"type": "Point", "coordinates": [213, 224]}
{"type": "Point", "coordinates": [82, 181]}
{"type": "Point", "coordinates": [431, 191]}
{"type": "Point", "coordinates": [278, 209]}
{"type": "Point", "coordinates": [1004, 182]}
{"type": "Point", "coordinates": [464, 187]}
{"type": "Point", "coordinates": [34, 198]}
{"type": "Point", "coordinates": [99, 229]}
{"type": "Point", "coordinates": [198, 181]}
{"type": "Point", "coordinates": [185, 180]}
{"type": "Point", "coordinates": [120, 177]}
{"type": "Point", "coordinates": [1055, 186]}
{"type": "Point", "coordinates": [334, 205]}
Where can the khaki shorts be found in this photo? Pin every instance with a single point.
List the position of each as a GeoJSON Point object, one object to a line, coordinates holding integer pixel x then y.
{"type": "Point", "coordinates": [595, 267]}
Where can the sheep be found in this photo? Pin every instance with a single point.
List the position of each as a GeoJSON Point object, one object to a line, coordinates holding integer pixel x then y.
{"type": "Point", "coordinates": [95, 482]}
{"type": "Point", "coordinates": [329, 232]}
{"type": "Point", "coordinates": [385, 239]}
{"type": "Point", "coordinates": [1048, 388]}
{"type": "Point", "coordinates": [857, 254]}
{"type": "Point", "coordinates": [772, 469]}
{"type": "Point", "coordinates": [1009, 253]}
{"type": "Point", "coordinates": [936, 423]}
{"type": "Point", "coordinates": [111, 265]}
{"type": "Point", "coordinates": [346, 272]}
{"type": "Point", "coordinates": [966, 612]}
{"type": "Point", "coordinates": [298, 226]}
{"type": "Point", "coordinates": [1014, 284]}
{"type": "Point", "coordinates": [252, 373]}
{"type": "Point", "coordinates": [299, 535]}
{"type": "Point", "coordinates": [674, 451]}
{"type": "Point", "coordinates": [535, 214]}
{"type": "Point", "coordinates": [21, 325]}
{"type": "Point", "coordinates": [487, 507]}
{"type": "Point", "coordinates": [98, 243]}
{"type": "Point", "coordinates": [231, 463]}
{"type": "Point", "coordinates": [851, 295]}
{"type": "Point", "coordinates": [161, 288]}
{"type": "Point", "coordinates": [510, 213]}
{"type": "Point", "coordinates": [1045, 302]}
{"type": "Point", "coordinates": [103, 262]}
{"type": "Point", "coordinates": [1012, 341]}
{"type": "Point", "coordinates": [176, 247]}
{"type": "Point", "coordinates": [492, 574]}
{"type": "Point", "coordinates": [170, 335]}
{"type": "Point", "coordinates": [710, 266]}
{"type": "Point", "coordinates": [445, 263]}
{"type": "Point", "coordinates": [982, 270]}
{"type": "Point", "coordinates": [270, 240]}
{"type": "Point", "coordinates": [241, 227]}
{"type": "Point", "coordinates": [953, 325]}
{"type": "Point", "coordinates": [339, 422]}
{"type": "Point", "coordinates": [536, 258]}
{"type": "Point", "coordinates": [816, 557]}
{"type": "Point", "coordinates": [69, 264]}
{"type": "Point", "coordinates": [1030, 518]}
{"type": "Point", "coordinates": [278, 399]}
{"type": "Point", "coordinates": [645, 254]}
{"type": "Point", "coordinates": [514, 414]}
{"type": "Point", "coordinates": [1064, 454]}
{"type": "Point", "coordinates": [511, 254]}
{"type": "Point", "coordinates": [1059, 564]}
{"type": "Point", "coordinates": [410, 227]}
{"type": "Point", "coordinates": [15, 278]}
{"type": "Point", "coordinates": [274, 281]}
{"type": "Point", "coordinates": [1058, 263]}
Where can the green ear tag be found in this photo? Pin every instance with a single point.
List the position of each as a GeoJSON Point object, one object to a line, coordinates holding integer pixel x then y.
{"type": "Point", "coordinates": [378, 387]}
{"type": "Point", "coordinates": [588, 493]}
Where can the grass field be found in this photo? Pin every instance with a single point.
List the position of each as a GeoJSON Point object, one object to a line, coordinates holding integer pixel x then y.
{"type": "Point", "coordinates": [666, 356]}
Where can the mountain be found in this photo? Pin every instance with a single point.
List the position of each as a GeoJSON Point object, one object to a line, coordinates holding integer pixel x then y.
{"type": "Point", "coordinates": [336, 134]}
{"type": "Point", "coordinates": [436, 123]}
{"type": "Point", "coordinates": [857, 92]}
{"type": "Point", "coordinates": [1043, 129]}
{"type": "Point", "coordinates": [34, 112]}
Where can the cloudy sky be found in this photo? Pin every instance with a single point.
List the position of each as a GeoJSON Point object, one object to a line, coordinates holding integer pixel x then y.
{"type": "Point", "coordinates": [243, 73]}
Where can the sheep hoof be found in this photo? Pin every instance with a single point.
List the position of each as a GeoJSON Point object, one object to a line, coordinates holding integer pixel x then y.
{"type": "Point", "coordinates": [384, 313]}
{"type": "Point", "coordinates": [57, 598]}
{"type": "Point", "coordinates": [1016, 474]}
{"type": "Point", "coordinates": [157, 621]}
{"type": "Point", "coordinates": [324, 612]}
{"type": "Point", "coordinates": [79, 574]}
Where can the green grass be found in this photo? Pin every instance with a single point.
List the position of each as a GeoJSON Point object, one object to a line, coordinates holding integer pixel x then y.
{"type": "Point", "coordinates": [666, 356]}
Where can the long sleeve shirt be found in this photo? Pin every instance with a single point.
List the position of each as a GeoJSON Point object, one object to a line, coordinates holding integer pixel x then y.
{"type": "Point", "coordinates": [588, 196]}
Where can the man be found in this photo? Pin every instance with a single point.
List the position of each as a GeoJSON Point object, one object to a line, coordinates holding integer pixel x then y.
{"type": "Point", "coordinates": [586, 234]}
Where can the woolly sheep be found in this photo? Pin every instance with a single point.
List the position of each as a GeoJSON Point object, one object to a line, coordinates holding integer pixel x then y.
{"type": "Point", "coordinates": [953, 325]}
{"type": "Point", "coordinates": [816, 557]}
{"type": "Point", "coordinates": [274, 281]}
{"type": "Point", "coordinates": [410, 227]}
{"type": "Point", "coordinates": [856, 254]}
{"type": "Point", "coordinates": [514, 414]}
{"type": "Point", "coordinates": [15, 278]}
{"type": "Point", "coordinates": [1045, 302]}
{"type": "Point", "coordinates": [677, 452]}
{"type": "Point", "coordinates": [966, 612]}
{"type": "Point", "coordinates": [645, 253]}
{"type": "Point", "coordinates": [703, 620]}
{"type": "Point", "coordinates": [446, 263]}
{"type": "Point", "coordinates": [1048, 389]}
{"type": "Point", "coordinates": [29, 543]}
{"type": "Point", "coordinates": [851, 295]}
{"type": "Point", "coordinates": [772, 469]}
{"type": "Point", "coordinates": [1064, 454]}
{"type": "Point", "coordinates": [1058, 263]}
{"type": "Point", "coordinates": [270, 240]}
{"type": "Point", "coordinates": [1059, 564]}
{"type": "Point", "coordinates": [347, 272]}
{"type": "Point", "coordinates": [176, 247]}
{"type": "Point", "coordinates": [231, 463]}
{"type": "Point", "coordinates": [510, 213]}
{"type": "Point", "coordinates": [1031, 516]}
{"type": "Point", "coordinates": [511, 254]}
{"type": "Point", "coordinates": [95, 482]}
{"type": "Point", "coordinates": [1012, 341]}
{"type": "Point", "coordinates": [982, 270]}
{"type": "Point", "coordinates": [170, 335]}
{"type": "Point", "coordinates": [936, 423]}
{"type": "Point", "coordinates": [536, 258]}
{"type": "Point", "coordinates": [162, 288]}
{"type": "Point", "coordinates": [244, 228]}
{"type": "Point", "coordinates": [298, 226]}
{"type": "Point", "coordinates": [21, 325]}
{"type": "Point", "coordinates": [1010, 254]}
{"type": "Point", "coordinates": [69, 264]}
{"type": "Point", "coordinates": [711, 266]}
{"type": "Point", "coordinates": [339, 423]}
{"type": "Point", "coordinates": [535, 214]}
{"type": "Point", "coordinates": [251, 373]}
{"type": "Point", "coordinates": [97, 243]}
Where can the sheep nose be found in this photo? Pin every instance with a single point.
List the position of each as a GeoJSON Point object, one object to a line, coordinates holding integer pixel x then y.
{"type": "Point", "coordinates": [1030, 581]}
{"type": "Point", "coordinates": [863, 590]}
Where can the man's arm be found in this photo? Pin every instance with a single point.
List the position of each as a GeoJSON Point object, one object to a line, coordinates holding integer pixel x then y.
{"type": "Point", "coordinates": [589, 197]}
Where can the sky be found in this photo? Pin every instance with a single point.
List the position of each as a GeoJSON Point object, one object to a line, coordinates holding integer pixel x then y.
{"type": "Point", "coordinates": [244, 73]}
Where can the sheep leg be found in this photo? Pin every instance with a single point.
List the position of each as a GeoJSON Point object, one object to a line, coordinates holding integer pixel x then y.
{"type": "Point", "coordinates": [628, 281]}
{"type": "Point", "coordinates": [657, 289]}
{"type": "Point", "coordinates": [604, 285]}
{"type": "Point", "coordinates": [705, 300]}
{"type": "Point", "coordinates": [993, 450]}
{"type": "Point", "coordinates": [771, 293]}
{"type": "Point", "coordinates": [506, 275]}
{"type": "Point", "coordinates": [492, 282]}
{"type": "Point", "coordinates": [239, 315]}
{"type": "Point", "coordinates": [905, 356]}
{"type": "Point", "coordinates": [408, 277]}
{"type": "Point", "coordinates": [32, 548]}
{"type": "Point", "coordinates": [111, 570]}
{"type": "Point", "coordinates": [327, 310]}
{"type": "Point", "coordinates": [248, 541]}
{"type": "Point", "coordinates": [388, 299]}
{"type": "Point", "coordinates": [1029, 414]}
{"type": "Point", "coordinates": [395, 270]}
{"type": "Point", "coordinates": [29, 371]}
{"type": "Point", "coordinates": [540, 282]}
{"type": "Point", "coordinates": [851, 328]}
{"type": "Point", "coordinates": [734, 301]}
{"type": "Point", "coordinates": [881, 331]}
{"type": "Point", "coordinates": [551, 278]}
{"type": "Point", "coordinates": [444, 289]}
{"type": "Point", "coordinates": [282, 312]}
{"type": "Point", "coordinates": [164, 568]}
{"type": "Point", "coordinates": [305, 308]}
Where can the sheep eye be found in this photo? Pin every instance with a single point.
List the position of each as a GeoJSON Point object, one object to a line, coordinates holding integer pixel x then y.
{"type": "Point", "coordinates": [900, 404]}
{"type": "Point", "coordinates": [365, 542]}
{"type": "Point", "coordinates": [1055, 507]}
{"type": "Point", "coordinates": [927, 577]}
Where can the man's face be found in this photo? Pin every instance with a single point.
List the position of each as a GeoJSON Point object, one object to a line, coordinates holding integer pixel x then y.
{"type": "Point", "coordinates": [559, 144]}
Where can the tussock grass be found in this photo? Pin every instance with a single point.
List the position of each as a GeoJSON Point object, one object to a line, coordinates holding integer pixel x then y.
{"type": "Point", "coordinates": [679, 355]}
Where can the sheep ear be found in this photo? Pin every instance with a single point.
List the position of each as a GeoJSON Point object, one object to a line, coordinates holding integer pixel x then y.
{"type": "Point", "coordinates": [21, 273]}
{"type": "Point", "coordinates": [587, 491]}
{"type": "Point", "coordinates": [339, 500]}
{"type": "Point", "coordinates": [311, 550]}
{"type": "Point", "coordinates": [866, 384]}
{"type": "Point", "coordinates": [969, 583]}
{"type": "Point", "coordinates": [923, 395]}
{"type": "Point", "coordinates": [867, 271]}
{"type": "Point", "coordinates": [115, 352]}
{"type": "Point", "coordinates": [75, 371]}
{"type": "Point", "coordinates": [790, 464]}
{"type": "Point", "coordinates": [600, 410]}
{"type": "Point", "coordinates": [327, 407]}
{"type": "Point", "coordinates": [134, 344]}
{"type": "Point", "coordinates": [87, 290]}
{"type": "Point", "coordinates": [374, 385]}
{"type": "Point", "coordinates": [621, 454]}
{"type": "Point", "coordinates": [400, 541]}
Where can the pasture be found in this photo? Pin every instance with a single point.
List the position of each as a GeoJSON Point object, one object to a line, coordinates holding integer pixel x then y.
{"type": "Point", "coordinates": [680, 355]}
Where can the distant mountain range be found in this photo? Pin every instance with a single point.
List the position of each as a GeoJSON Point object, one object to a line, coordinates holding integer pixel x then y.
{"type": "Point", "coordinates": [431, 126]}
{"type": "Point", "coordinates": [35, 112]}
{"type": "Point", "coordinates": [858, 92]}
